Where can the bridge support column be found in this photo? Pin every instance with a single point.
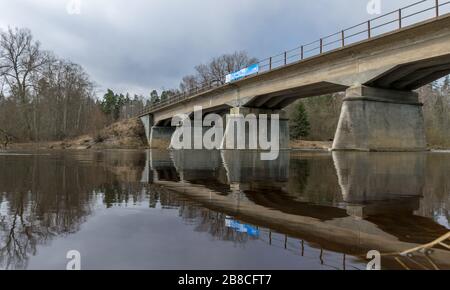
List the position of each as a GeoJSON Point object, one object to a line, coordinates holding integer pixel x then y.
{"type": "Point", "coordinates": [250, 133]}
{"type": "Point", "coordinates": [147, 121]}
{"type": "Point", "coordinates": [375, 119]}
{"type": "Point", "coordinates": [157, 137]}
{"type": "Point", "coordinates": [160, 137]}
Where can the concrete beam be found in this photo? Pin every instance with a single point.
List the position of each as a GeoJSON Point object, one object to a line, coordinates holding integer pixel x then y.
{"type": "Point", "coordinates": [407, 71]}
{"type": "Point", "coordinates": [418, 75]}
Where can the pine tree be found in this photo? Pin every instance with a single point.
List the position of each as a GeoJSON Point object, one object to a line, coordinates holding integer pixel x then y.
{"type": "Point", "coordinates": [300, 126]}
{"type": "Point", "coordinates": [108, 102]}
{"type": "Point", "coordinates": [112, 104]}
{"type": "Point", "coordinates": [154, 97]}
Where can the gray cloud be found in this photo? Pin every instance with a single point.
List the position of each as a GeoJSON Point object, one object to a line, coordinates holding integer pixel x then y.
{"type": "Point", "coordinates": [137, 45]}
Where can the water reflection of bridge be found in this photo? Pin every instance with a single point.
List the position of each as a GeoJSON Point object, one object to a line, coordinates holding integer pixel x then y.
{"type": "Point", "coordinates": [216, 224]}
{"type": "Point", "coordinates": [352, 203]}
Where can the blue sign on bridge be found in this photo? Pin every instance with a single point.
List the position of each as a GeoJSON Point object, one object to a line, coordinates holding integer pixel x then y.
{"type": "Point", "coordinates": [253, 69]}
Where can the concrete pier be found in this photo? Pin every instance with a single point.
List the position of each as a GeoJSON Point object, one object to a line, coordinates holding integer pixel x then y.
{"type": "Point", "coordinates": [147, 121]}
{"type": "Point", "coordinates": [160, 137]}
{"type": "Point", "coordinates": [244, 131]}
{"type": "Point", "coordinates": [246, 128]}
{"type": "Point", "coordinates": [375, 119]}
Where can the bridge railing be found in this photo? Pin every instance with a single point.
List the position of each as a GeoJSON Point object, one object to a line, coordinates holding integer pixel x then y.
{"type": "Point", "coordinates": [389, 22]}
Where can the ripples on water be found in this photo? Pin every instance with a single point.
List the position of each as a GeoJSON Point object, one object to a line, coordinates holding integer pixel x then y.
{"type": "Point", "coordinates": [221, 210]}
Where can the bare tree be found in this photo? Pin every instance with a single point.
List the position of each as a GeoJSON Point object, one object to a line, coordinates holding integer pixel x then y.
{"type": "Point", "coordinates": [188, 83]}
{"type": "Point", "coordinates": [43, 97]}
{"type": "Point", "coordinates": [20, 61]}
{"type": "Point", "coordinates": [237, 61]}
{"type": "Point", "coordinates": [216, 70]}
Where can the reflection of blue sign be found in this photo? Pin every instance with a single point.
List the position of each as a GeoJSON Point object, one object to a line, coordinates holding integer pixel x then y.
{"type": "Point", "coordinates": [253, 69]}
{"type": "Point", "coordinates": [242, 228]}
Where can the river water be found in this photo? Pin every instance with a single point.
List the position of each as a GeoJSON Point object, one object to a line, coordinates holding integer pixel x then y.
{"type": "Point", "coordinates": [222, 210]}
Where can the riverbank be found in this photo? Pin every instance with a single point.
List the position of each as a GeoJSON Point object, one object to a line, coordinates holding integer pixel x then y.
{"type": "Point", "coordinates": [88, 142]}
{"type": "Point", "coordinates": [130, 134]}
{"type": "Point", "coordinates": [127, 134]}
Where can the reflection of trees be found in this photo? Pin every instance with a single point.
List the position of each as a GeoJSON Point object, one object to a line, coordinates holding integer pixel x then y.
{"type": "Point", "coordinates": [17, 239]}
{"type": "Point", "coordinates": [117, 193]}
{"type": "Point", "coordinates": [48, 196]}
{"type": "Point", "coordinates": [436, 201]}
{"type": "Point", "coordinates": [158, 195]}
{"type": "Point", "coordinates": [43, 198]}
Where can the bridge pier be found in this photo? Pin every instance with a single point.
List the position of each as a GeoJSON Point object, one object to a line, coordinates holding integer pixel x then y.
{"type": "Point", "coordinates": [250, 134]}
{"type": "Point", "coordinates": [160, 137]}
{"type": "Point", "coordinates": [147, 121]}
{"type": "Point", "coordinates": [194, 139]}
{"type": "Point", "coordinates": [375, 119]}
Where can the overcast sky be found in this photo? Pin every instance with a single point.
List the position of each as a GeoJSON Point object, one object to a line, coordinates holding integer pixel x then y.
{"type": "Point", "coordinates": [138, 45]}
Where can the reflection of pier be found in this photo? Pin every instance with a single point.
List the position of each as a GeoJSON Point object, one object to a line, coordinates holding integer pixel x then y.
{"type": "Point", "coordinates": [248, 170]}
{"type": "Point", "coordinates": [159, 166]}
{"type": "Point", "coordinates": [379, 195]}
{"type": "Point", "coordinates": [379, 176]}
{"type": "Point", "coordinates": [375, 183]}
{"type": "Point", "coordinates": [193, 165]}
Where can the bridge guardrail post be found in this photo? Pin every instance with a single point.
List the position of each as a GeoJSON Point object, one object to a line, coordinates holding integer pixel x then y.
{"type": "Point", "coordinates": [437, 8]}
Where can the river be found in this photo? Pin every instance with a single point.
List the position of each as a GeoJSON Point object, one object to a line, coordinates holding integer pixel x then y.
{"type": "Point", "coordinates": [222, 210]}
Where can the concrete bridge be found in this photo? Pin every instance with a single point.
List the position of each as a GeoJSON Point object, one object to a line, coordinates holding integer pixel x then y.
{"type": "Point", "coordinates": [381, 111]}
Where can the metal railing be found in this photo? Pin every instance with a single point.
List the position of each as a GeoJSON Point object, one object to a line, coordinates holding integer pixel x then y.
{"type": "Point", "coordinates": [392, 21]}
